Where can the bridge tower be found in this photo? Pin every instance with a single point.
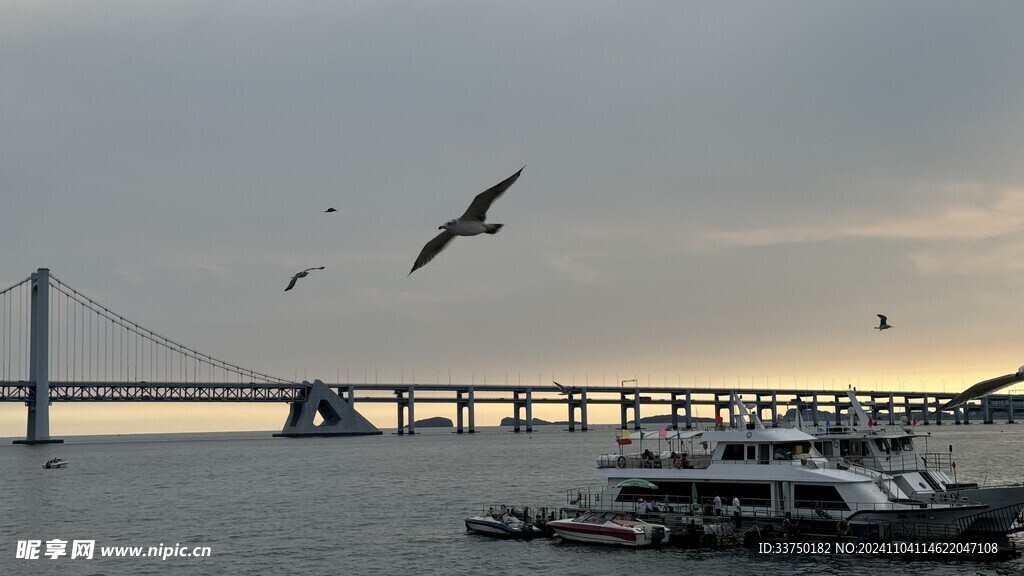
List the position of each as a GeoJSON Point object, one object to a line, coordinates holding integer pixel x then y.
{"type": "Point", "coordinates": [38, 361]}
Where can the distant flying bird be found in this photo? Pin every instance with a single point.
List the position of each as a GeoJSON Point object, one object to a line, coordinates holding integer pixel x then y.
{"type": "Point", "coordinates": [564, 390]}
{"type": "Point", "coordinates": [881, 324]}
{"type": "Point", "coordinates": [330, 210]}
{"type": "Point", "coordinates": [469, 224]}
{"type": "Point", "coordinates": [302, 274]}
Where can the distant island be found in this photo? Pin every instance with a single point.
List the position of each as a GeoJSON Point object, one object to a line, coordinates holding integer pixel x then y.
{"type": "Point", "coordinates": [509, 421]}
{"type": "Point", "coordinates": [435, 422]}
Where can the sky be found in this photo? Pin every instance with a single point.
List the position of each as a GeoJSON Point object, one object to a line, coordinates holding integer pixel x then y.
{"type": "Point", "coordinates": [713, 192]}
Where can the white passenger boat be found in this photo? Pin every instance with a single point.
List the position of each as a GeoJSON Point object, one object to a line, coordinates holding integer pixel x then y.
{"type": "Point", "coordinates": [55, 463]}
{"type": "Point", "coordinates": [777, 473]}
{"type": "Point", "coordinates": [924, 476]}
{"type": "Point", "coordinates": [615, 528]}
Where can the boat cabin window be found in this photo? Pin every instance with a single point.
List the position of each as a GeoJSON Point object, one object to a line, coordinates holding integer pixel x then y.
{"type": "Point", "coordinates": [751, 452]}
{"type": "Point", "coordinates": [789, 450]}
{"type": "Point", "coordinates": [883, 445]}
{"type": "Point", "coordinates": [907, 444]}
{"type": "Point", "coordinates": [733, 452]}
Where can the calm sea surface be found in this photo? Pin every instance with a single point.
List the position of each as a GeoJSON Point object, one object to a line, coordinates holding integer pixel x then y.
{"type": "Point", "coordinates": [376, 505]}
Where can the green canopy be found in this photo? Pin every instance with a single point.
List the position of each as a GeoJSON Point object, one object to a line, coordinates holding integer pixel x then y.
{"type": "Point", "coordinates": [637, 483]}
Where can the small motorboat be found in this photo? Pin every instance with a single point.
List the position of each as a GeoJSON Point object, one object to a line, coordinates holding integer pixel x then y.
{"type": "Point", "coordinates": [56, 463]}
{"type": "Point", "coordinates": [505, 523]}
{"type": "Point", "coordinates": [617, 528]}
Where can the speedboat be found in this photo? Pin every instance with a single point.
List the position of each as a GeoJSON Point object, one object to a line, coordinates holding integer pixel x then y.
{"type": "Point", "coordinates": [55, 463]}
{"type": "Point", "coordinates": [777, 473]}
{"type": "Point", "coordinates": [610, 527]}
{"type": "Point", "coordinates": [504, 524]}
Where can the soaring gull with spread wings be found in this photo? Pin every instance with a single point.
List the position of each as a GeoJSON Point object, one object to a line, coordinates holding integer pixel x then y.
{"type": "Point", "coordinates": [469, 224]}
{"type": "Point", "coordinates": [982, 388]}
{"type": "Point", "coordinates": [302, 274]}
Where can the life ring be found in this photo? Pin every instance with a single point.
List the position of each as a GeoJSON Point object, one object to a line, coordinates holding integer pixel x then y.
{"type": "Point", "coordinates": [677, 462]}
{"type": "Point", "coordinates": [843, 527]}
{"type": "Point", "coordinates": [620, 462]}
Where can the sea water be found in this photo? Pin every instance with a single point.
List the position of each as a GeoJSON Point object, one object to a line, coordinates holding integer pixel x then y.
{"type": "Point", "coordinates": [378, 505]}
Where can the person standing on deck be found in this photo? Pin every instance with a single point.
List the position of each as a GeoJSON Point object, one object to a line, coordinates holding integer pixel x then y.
{"type": "Point", "coordinates": [718, 505]}
{"type": "Point", "coordinates": [736, 518]}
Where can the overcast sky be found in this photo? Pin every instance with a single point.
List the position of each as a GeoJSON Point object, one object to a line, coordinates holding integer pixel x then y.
{"type": "Point", "coordinates": [713, 191]}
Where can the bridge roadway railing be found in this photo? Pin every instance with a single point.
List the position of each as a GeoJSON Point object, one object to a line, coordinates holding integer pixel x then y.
{"type": "Point", "coordinates": [156, 392]}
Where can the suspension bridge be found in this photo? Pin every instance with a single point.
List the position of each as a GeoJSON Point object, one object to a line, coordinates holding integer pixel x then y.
{"type": "Point", "coordinates": [59, 345]}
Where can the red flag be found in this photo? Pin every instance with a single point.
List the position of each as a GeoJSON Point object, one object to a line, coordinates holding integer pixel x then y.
{"type": "Point", "coordinates": [662, 433]}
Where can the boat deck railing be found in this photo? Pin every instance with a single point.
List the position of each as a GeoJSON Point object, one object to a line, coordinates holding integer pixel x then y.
{"type": "Point", "coordinates": [586, 498]}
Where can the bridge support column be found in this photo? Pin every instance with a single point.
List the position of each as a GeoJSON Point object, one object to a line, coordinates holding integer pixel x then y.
{"type": "Point", "coordinates": [636, 411]}
{"type": "Point", "coordinates": [892, 410]}
{"type": "Point", "coordinates": [623, 411]}
{"type": "Point", "coordinates": [38, 429]}
{"type": "Point", "coordinates": [1009, 409]}
{"type": "Point", "coordinates": [775, 410]}
{"type": "Point", "coordinates": [675, 412]}
{"type": "Point", "coordinates": [339, 417]}
{"type": "Point", "coordinates": [689, 410]}
{"type": "Point", "coordinates": [583, 410]}
{"type": "Point", "coordinates": [471, 409]}
{"type": "Point", "coordinates": [519, 403]}
{"type": "Point", "coordinates": [987, 407]}
{"type": "Point", "coordinates": [814, 410]}
{"type": "Point", "coordinates": [529, 410]}
{"type": "Point", "coordinates": [967, 413]}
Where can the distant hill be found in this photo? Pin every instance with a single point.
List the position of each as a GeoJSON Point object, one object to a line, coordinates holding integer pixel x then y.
{"type": "Point", "coordinates": [435, 422]}
{"type": "Point", "coordinates": [509, 421]}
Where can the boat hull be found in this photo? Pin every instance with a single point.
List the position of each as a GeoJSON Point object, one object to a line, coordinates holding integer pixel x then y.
{"type": "Point", "coordinates": [613, 536]}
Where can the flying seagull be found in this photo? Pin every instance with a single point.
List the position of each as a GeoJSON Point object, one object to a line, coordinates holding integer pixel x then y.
{"type": "Point", "coordinates": [469, 224]}
{"type": "Point", "coordinates": [564, 390]}
{"type": "Point", "coordinates": [881, 324]}
{"type": "Point", "coordinates": [982, 388]}
{"type": "Point", "coordinates": [331, 209]}
{"type": "Point", "coordinates": [302, 274]}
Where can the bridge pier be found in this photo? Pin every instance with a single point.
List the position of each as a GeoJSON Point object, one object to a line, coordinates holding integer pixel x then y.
{"type": "Point", "coordinates": [38, 430]}
{"type": "Point", "coordinates": [580, 404]}
{"type": "Point", "coordinates": [525, 403]}
{"type": "Point", "coordinates": [339, 417]}
{"type": "Point", "coordinates": [467, 404]}
{"type": "Point", "coordinates": [987, 407]}
{"type": "Point", "coordinates": [1009, 409]}
{"type": "Point", "coordinates": [406, 404]}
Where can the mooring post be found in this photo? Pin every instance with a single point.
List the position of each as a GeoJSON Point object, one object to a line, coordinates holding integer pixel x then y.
{"type": "Point", "coordinates": [38, 429]}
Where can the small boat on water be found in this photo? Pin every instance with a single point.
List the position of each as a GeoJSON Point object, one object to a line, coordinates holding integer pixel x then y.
{"type": "Point", "coordinates": [616, 528]}
{"type": "Point", "coordinates": [505, 522]}
{"type": "Point", "coordinates": [55, 463]}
